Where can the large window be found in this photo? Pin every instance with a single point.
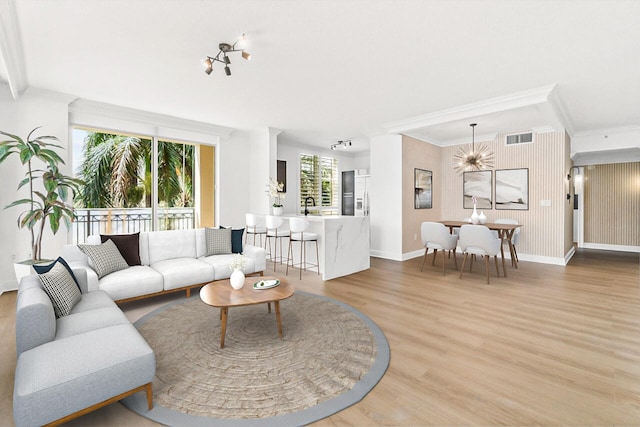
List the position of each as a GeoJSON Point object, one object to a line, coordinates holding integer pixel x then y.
{"type": "Point", "coordinates": [319, 179]}
{"type": "Point", "coordinates": [127, 191]}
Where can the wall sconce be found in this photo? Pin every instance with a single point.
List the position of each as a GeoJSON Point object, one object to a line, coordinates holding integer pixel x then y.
{"type": "Point", "coordinates": [577, 174]}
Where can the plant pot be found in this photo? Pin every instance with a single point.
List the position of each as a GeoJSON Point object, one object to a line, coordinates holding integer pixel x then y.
{"type": "Point", "coordinates": [237, 279]}
{"type": "Point", "coordinates": [25, 268]}
{"type": "Point", "coordinates": [277, 210]}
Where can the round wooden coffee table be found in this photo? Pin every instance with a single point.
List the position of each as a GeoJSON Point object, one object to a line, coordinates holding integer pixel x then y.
{"type": "Point", "coordinates": [221, 294]}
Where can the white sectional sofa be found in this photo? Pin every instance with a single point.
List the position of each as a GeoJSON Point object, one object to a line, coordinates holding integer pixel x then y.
{"type": "Point", "coordinates": [171, 261]}
{"type": "Point", "coordinates": [76, 363]}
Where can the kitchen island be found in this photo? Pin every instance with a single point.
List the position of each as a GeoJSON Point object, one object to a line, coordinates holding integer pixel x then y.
{"type": "Point", "coordinates": [343, 244]}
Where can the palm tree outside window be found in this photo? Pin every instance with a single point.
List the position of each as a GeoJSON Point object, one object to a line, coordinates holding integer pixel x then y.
{"type": "Point", "coordinates": [118, 195]}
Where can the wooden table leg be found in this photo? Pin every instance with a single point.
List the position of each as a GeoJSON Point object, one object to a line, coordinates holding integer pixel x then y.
{"type": "Point", "coordinates": [501, 234]}
{"type": "Point", "coordinates": [224, 311]}
{"type": "Point", "coordinates": [514, 259]}
{"type": "Point", "coordinates": [276, 304]}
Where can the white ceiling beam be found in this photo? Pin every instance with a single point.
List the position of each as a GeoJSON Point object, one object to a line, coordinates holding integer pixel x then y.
{"type": "Point", "coordinates": [11, 53]}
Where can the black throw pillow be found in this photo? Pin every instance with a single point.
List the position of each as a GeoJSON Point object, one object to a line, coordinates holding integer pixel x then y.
{"type": "Point", "coordinates": [127, 244]}
{"type": "Point", "coordinates": [236, 240]}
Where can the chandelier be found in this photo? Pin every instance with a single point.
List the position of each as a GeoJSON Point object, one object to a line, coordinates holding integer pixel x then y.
{"type": "Point", "coordinates": [468, 158]}
{"type": "Point", "coordinates": [225, 48]}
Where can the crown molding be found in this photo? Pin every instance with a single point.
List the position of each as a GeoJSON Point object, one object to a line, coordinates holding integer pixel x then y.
{"type": "Point", "coordinates": [11, 51]}
{"type": "Point", "coordinates": [609, 131]}
{"type": "Point", "coordinates": [494, 105]}
{"type": "Point", "coordinates": [83, 106]}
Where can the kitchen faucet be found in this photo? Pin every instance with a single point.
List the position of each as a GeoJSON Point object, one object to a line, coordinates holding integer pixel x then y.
{"type": "Point", "coordinates": [306, 210]}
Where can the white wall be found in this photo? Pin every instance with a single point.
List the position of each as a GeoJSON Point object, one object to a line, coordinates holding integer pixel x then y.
{"type": "Point", "coordinates": [233, 180]}
{"type": "Point", "coordinates": [34, 108]}
{"type": "Point", "coordinates": [386, 196]}
{"type": "Point", "coordinates": [290, 152]}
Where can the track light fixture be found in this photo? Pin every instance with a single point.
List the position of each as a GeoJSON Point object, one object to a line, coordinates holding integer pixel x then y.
{"type": "Point", "coordinates": [344, 144]}
{"type": "Point", "coordinates": [225, 48]}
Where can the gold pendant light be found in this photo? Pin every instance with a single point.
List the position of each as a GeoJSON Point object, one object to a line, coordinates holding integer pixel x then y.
{"type": "Point", "coordinates": [468, 158]}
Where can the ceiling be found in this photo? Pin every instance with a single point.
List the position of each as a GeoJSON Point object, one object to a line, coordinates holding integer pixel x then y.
{"type": "Point", "coordinates": [327, 70]}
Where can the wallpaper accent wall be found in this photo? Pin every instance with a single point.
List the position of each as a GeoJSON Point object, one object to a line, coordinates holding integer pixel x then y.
{"type": "Point", "coordinates": [422, 155]}
{"type": "Point", "coordinates": [546, 228]}
{"type": "Point", "coordinates": [612, 204]}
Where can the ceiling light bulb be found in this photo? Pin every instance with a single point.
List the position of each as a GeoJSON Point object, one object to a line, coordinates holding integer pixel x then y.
{"type": "Point", "coordinates": [227, 70]}
{"type": "Point", "coordinates": [208, 65]}
{"type": "Point", "coordinates": [246, 55]}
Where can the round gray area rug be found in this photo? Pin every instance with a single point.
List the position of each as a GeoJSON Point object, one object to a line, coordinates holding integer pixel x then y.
{"type": "Point", "coordinates": [330, 357]}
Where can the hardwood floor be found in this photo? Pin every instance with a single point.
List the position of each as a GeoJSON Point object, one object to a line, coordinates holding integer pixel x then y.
{"type": "Point", "coordinates": [548, 345]}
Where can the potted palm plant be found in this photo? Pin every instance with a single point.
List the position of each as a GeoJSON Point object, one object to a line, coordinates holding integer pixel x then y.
{"type": "Point", "coordinates": [48, 187]}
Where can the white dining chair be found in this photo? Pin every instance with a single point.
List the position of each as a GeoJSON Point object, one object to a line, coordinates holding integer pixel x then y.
{"type": "Point", "coordinates": [255, 226]}
{"type": "Point", "coordinates": [479, 240]}
{"type": "Point", "coordinates": [275, 234]}
{"type": "Point", "coordinates": [298, 233]}
{"type": "Point", "coordinates": [514, 239]}
{"type": "Point", "coordinates": [436, 236]}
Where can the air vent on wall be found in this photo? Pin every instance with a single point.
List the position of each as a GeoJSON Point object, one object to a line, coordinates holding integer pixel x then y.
{"type": "Point", "coordinates": [519, 138]}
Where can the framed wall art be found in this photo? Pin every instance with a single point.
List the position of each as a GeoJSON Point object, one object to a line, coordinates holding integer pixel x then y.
{"type": "Point", "coordinates": [512, 189]}
{"type": "Point", "coordinates": [477, 184]}
{"type": "Point", "coordinates": [422, 189]}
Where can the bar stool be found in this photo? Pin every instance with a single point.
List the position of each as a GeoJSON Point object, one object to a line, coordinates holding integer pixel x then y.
{"type": "Point", "coordinates": [254, 227]}
{"type": "Point", "coordinates": [297, 226]}
{"type": "Point", "coordinates": [273, 224]}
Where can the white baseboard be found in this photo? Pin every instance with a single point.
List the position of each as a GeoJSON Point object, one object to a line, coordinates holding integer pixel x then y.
{"type": "Point", "coordinates": [605, 247]}
{"type": "Point", "coordinates": [521, 257]}
{"type": "Point", "coordinates": [569, 255]}
{"type": "Point", "coordinates": [386, 255]}
{"type": "Point", "coordinates": [9, 285]}
{"type": "Point", "coordinates": [414, 254]}
{"type": "Point", "coordinates": [539, 259]}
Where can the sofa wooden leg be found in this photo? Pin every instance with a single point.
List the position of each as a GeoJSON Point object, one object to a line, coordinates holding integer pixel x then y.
{"type": "Point", "coordinates": [149, 390]}
{"type": "Point", "coordinates": [188, 292]}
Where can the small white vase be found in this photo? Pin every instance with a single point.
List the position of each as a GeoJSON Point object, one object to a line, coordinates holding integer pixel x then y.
{"type": "Point", "coordinates": [277, 210]}
{"type": "Point", "coordinates": [482, 218]}
{"type": "Point", "coordinates": [475, 218]}
{"type": "Point", "coordinates": [237, 279]}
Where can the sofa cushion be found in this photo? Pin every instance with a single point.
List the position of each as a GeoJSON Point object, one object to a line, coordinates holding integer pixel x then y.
{"type": "Point", "coordinates": [85, 321]}
{"type": "Point", "coordinates": [171, 244]}
{"type": "Point", "coordinates": [220, 264]}
{"type": "Point", "coordinates": [45, 268]}
{"type": "Point", "coordinates": [236, 239]}
{"type": "Point", "coordinates": [106, 258]}
{"type": "Point", "coordinates": [132, 282]}
{"type": "Point", "coordinates": [181, 272]}
{"type": "Point", "coordinates": [218, 241]}
{"type": "Point", "coordinates": [127, 244]}
{"type": "Point", "coordinates": [61, 288]}
{"type": "Point", "coordinates": [64, 376]}
{"type": "Point", "coordinates": [92, 301]}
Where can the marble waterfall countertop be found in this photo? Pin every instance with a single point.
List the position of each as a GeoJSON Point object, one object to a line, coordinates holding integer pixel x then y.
{"type": "Point", "coordinates": [343, 244]}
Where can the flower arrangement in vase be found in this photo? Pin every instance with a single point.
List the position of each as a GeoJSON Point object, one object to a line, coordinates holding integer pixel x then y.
{"type": "Point", "coordinates": [237, 275]}
{"type": "Point", "coordinates": [276, 191]}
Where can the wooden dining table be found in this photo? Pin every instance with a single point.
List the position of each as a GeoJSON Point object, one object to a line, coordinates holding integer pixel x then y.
{"type": "Point", "coordinates": [505, 233]}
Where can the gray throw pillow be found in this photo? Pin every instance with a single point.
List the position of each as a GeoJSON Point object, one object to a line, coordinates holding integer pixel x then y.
{"type": "Point", "coordinates": [106, 258]}
{"type": "Point", "coordinates": [61, 288]}
{"type": "Point", "coordinates": [218, 241]}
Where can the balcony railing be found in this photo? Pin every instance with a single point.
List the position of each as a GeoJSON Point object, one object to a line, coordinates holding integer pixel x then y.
{"type": "Point", "coordinates": [119, 221]}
